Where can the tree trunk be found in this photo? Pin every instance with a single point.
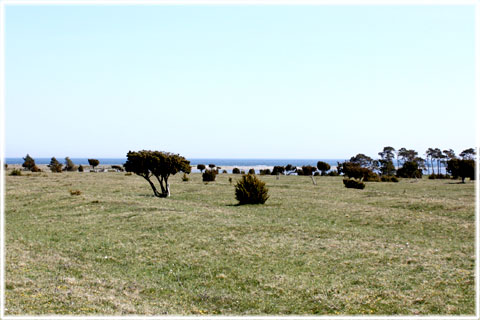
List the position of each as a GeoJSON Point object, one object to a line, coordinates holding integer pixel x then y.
{"type": "Point", "coordinates": [155, 192]}
{"type": "Point", "coordinates": [165, 187]}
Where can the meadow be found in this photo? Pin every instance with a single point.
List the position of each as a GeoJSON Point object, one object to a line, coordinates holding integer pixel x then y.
{"type": "Point", "coordinates": [113, 248]}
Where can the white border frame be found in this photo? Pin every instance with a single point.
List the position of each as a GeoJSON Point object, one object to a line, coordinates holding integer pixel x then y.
{"type": "Point", "coordinates": [4, 3]}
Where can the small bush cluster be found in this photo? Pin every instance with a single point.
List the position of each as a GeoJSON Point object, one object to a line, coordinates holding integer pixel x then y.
{"type": "Point", "coordinates": [439, 176]}
{"type": "Point", "coordinates": [75, 192]}
{"type": "Point", "coordinates": [36, 169]}
{"type": "Point", "coordinates": [251, 190]}
{"type": "Point", "coordinates": [350, 183]}
{"type": "Point", "coordinates": [209, 175]}
{"type": "Point", "coordinates": [55, 166]}
{"type": "Point", "coordinates": [389, 179]}
{"type": "Point", "coordinates": [333, 174]}
{"type": "Point", "coordinates": [265, 172]}
{"type": "Point", "coordinates": [16, 172]}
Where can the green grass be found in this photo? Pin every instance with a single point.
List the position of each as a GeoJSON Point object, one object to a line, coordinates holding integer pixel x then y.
{"type": "Point", "coordinates": [393, 248]}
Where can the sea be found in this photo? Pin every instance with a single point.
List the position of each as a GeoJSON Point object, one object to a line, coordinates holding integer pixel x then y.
{"type": "Point", "coordinates": [220, 162]}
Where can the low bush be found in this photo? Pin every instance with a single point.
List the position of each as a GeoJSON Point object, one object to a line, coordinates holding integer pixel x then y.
{"type": "Point", "coordinates": [75, 192]}
{"type": "Point", "coordinates": [224, 171]}
{"type": "Point", "coordinates": [55, 166]}
{"type": "Point", "coordinates": [371, 176]}
{"type": "Point", "coordinates": [389, 179]}
{"type": "Point", "coordinates": [333, 174]}
{"type": "Point", "coordinates": [278, 170]}
{"type": "Point", "coordinates": [16, 172]}
{"type": "Point", "coordinates": [236, 171]}
{"type": "Point", "coordinates": [350, 183]}
{"type": "Point", "coordinates": [209, 175]}
{"type": "Point", "coordinates": [118, 168]}
{"type": "Point", "coordinates": [242, 172]}
{"type": "Point", "coordinates": [265, 172]}
{"type": "Point", "coordinates": [185, 177]}
{"type": "Point", "coordinates": [251, 171]}
{"type": "Point", "coordinates": [80, 168]}
{"type": "Point", "coordinates": [128, 174]}
{"type": "Point", "coordinates": [251, 190]}
{"type": "Point", "coordinates": [36, 169]}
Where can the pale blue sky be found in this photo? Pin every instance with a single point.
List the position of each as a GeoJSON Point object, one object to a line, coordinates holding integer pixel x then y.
{"type": "Point", "coordinates": [238, 81]}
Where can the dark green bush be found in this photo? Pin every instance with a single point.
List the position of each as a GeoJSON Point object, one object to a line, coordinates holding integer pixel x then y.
{"type": "Point", "coordinates": [80, 168]}
{"type": "Point", "coordinates": [389, 179]}
{"type": "Point", "coordinates": [251, 190]}
{"type": "Point", "coordinates": [236, 171]}
{"type": "Point", "coordinates": [93, 163]}
{"type": "Point", "coordinates": [69, 165]}
{"type": "Point", "coordinates": [265, 171]}
{"type": "Point", "coordinates": [333, 173]}
{"type": "Point", "coordinates": [350, 183]}
{"type": "Point", "coordinates": [16, 172]}
{"type": "Point", "coordinates": [371, 176]}
{"type": "Point", "coordinates": [118, 168]}
{"type": "Point", "coordinates": [201, 167]}
{"type": "Point", "coordinates": [35, 169]}
{"type": "Point", "coordinates": [308, 170]}
{"type": "Point", "coordinates": [278, 170]}
{"type": "Point", "coordinates": [185, 177]}
{"type": "Point", "coordinates": [323, 167]}
{"type": "Point", "coordinates": [242, 172]}
{"type": "Point", "coordinates": [28, 162]}
{"type": "Point", "coordinates": [410, 170]}
{"type": "Point", "coordinates": [209, 175]}
{"type": "Point", "coordinates": [55, 166]}
{"type": "Point", "coordinates": [251, 171]}
{"type": "Point", "coordinates": [224, 171]}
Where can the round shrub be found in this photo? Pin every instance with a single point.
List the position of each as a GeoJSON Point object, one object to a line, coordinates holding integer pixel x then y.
{"type": "Point", "coordinates": [350, 183]}
{"type": "Point", "coordinates": [36, 169]}
{"type": "Point", "coordinates": [389, 179]}
{"type": "Point", "coordinates": [251, 171]}
{"type": "Point", "coordinates": [16, 172]}
{"type": "Point", "coordinates": [209, 175]}
{"type": "Point", "coordinates": [236, 171]}
{"type": "Point", "coordinates": [80, 168]}
{"type": "Point", "coordinates": [201, 167]}
{"type": "Point", "coordinates": [251, 190]}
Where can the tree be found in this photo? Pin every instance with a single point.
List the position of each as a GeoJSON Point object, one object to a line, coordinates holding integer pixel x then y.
{"type": "Point", "coordinates": [409, 170]}
{"type": "Point", "coordinates": [69, 165]}
{"type": "Point", "coordinates": [468, 154]}
{"type": "Point", "coordinates": [211, 166]}
{"type": "Point", "coordinates": [290, 169]}
{"type": "Point", "coordinates": [386, 165]}
{"type": "Point", "coordinates": [308, 170]}
{"type": "Point", "coordinates": [93, 163]}
{"type": "Point", "coordinates": [158, 164]}
{"type": "Point", "coordinates": [54, 165]}
{"type": "Point", "coordinates": [323, 167]}
{"type": "Point", "coordinates": [362, 160]}
{"type": "Point", "coordinates": [462, 168]}
{"type": "Point", "coordinates": [430, 154]}
{"type": "Point", "coordinates": [278, 170]}
{"type": "Point", "coordinates": [354, 170]}
{"type": "Point", "coordinates": [28, 162]}
{"type": "Point", "coordinates": [388, 153]}
{"type": "Point", "coordinates": [201, 167]}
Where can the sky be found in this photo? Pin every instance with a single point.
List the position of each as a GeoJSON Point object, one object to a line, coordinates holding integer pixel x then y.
{"type": "Point", "coordinates": [234, 81]}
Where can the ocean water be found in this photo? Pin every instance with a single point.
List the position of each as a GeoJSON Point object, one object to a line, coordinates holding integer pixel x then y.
{"type": "Point", "coordinates": [206, 161]}
{"type": "Point", "coordinates": [195, 161]}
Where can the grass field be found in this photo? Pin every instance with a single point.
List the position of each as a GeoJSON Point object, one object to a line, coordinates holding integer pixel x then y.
{"type": "Point", "coordinates": [393, 248]}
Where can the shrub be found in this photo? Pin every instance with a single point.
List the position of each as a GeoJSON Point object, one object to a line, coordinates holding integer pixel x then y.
{"type": "Point", "coordinates": [75, 192]}
{"type": "Point", "coordinates": [201, 167]}
{"type": "Point", "coordinates": [300, 172]}
{"type": "Point", "coordinates": [308, 170]}
{"type": "Point", "coordinates": [209, 175]}
{"type": "Point", "coordinates": [118, 168]}
{"type": "Point", "coordinates": [350, 183]}
{"type": "Point", "coordinates": [5, 166]}
{"type": "Point", "coordinates": [265, 171]}
{"type": "Point", "coordinates": [211, 165]}
{"type": "Point", "coordinates": [80, 168]}
{"type": "Point", "coordinates": [371, 176]}
{"type": "Point", "coordinates": [69, 165]}
{"type": "Point", "coordinates": [316, 174]}
{"type": "Point", "coordinates": [462, 168]}
{"type": "Point", "coordinates": [323, 167]}
{"type": "Point", "coordinates": [28, 162]}
{"type": "Point", "coordinates": [389, 179]}
{"type": "Point", "coordinates": [432, 176]}
{"type": "Point", "coordinates": [230, 180]}
{"type": "Point", "coordinates": [410, 170]}
{"type": "Point", "coordinates": [278, 170]}
{"type": "Point", "coordinates": [185, 177]}
{"type": "Point", "coordinates": [55, 166]}
{"type": "Point", "coordinates": [251, 171]}
{"type": "Point", "coordinates": [251, 190]}
{"type": "Point", "coordinates": [333, 174]}
{"type": "Point", "coordinates": [128, 174]}
{"type": "Point", "coordinates": [93, 163]}
{"type": "Point", "coordinates": [16, 172]}
{"type": "Point", "coordinates": [224, 171]}
{"type": "Point", "coordinates": [236, 171]}
{"type": "Point", "coordinates": [242, 172]}
{"type": "Point", "coordinates": [36, 169]}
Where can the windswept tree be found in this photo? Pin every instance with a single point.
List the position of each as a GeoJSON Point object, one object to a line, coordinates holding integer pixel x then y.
{"type": "Point", "coordinates": [323, 167]}
{"type": "Point", "coordinates": [362, 160]}
{"type": "Point", "coordinates": [290, 169]}
{"type": "Point", "coordinates": [93, 163]}
{"type": "Point", "coordinates": [211, 166]}
{"type": "Point", "coordinates": [28, 162]}
{"type": "Point", "coordinates": [462, 168]}
{"type": "Point", "coordinates": [278, 170]}
{"type": "Point", "coordinates": [201, 167]}
{"type": "Point", "coordinates": [69, 165]}
{"type": "Point", "coordinates": [468, 154]}
{"type": "Point", "coordinates": [430, 155]}
{"type": "Point", "coordinates": [386, 162]}
{"type": "Point", "coordinates": [54, 165]}
{"type": "Point", "coordinates": [158, 164]}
